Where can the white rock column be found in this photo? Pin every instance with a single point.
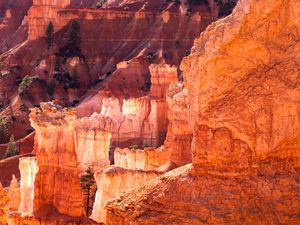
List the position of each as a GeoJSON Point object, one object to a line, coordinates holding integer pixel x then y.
{"type": "Point", "coordinates": [28, 170]}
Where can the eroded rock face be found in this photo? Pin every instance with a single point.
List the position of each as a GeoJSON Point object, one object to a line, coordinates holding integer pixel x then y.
{"type": "Point", "coordinates": [248, 84]}
{"type": "Point", "coordinates": [14, 194]}
{"type": "Point", "coordinates": [4, 200]}
{"type": "Point", "coordinates": [113, 182]}
{"type": "Point", "coordinates": [41, 14]}
{"type": "Point", "coordinates": [143, 159]}
{"type": "Point", "coordinates": [91, 147]}
{"type": "Point", "coordinates": [28, 169]}
{"type": "Point", "coordinates": [141, 120]}
{"type": "Point", "coordinates": [57, 181]}
{"type": "Point", "coordinates": [179, 136]}
{"type": "Point", "coordinates": [243, 98]}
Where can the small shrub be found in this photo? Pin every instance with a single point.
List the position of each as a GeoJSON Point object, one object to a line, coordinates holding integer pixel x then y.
{"type": "Point", "coordinates": [133, 147]}
{"type": "Point", "coordinates": [87, 182]}
{"type": "Point", "coordinates": [150, 57]}
{"type": "Point", "coordinates": [25, 83]}
{"type": "Point", "coordinates": [225, 7]}
{"type": "Point", "coordinates": [23, 108]}
{"type": "Point", "coordinates": [74, 83]}
{"type": "Point", "coordinates": [3, 130]}
{"type": "Point", "coordinates": [29, 131]}
{"type": "Point", "coordinates": [99, 4]}
{"type": "Point", "coordinates": [51, 87]}
{"type": "Point", "coordinates": [12, 148]}
{"type": "Point", "coordinates": [49, 34]}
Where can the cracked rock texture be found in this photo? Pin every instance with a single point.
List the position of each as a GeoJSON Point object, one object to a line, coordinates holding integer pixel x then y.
{"type": "Point", "coordinates": [243, 95]}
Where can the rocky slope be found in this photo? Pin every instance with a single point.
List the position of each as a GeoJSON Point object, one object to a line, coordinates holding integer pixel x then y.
{"type": "Point", "coordinates": [242, 86]}
{"type": "Point", "coordinates": [113, 59]}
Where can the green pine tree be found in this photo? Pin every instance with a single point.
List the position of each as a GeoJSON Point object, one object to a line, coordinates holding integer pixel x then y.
{"type": "Point", "coordinates": [12, 148]}
{"type": "Point", "coordinates": [74, 37]}
{"type": "Point", "coordinates": [87, 184]}
{"type": "Point", "coordinates": [3, 130]}
{"type": "Point", "coordinates": [49, 34]}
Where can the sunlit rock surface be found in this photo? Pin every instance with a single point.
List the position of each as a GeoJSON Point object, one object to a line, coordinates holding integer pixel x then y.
{"type": "Point", "coordinates": [4, 200]}
{"type": "Point", "coordinates": [243, 98]}
{"type": "Point", "coordinates": [179, 136]}
{"type": "Point", "coordinates": [14, 194]}
{"type": "Point", "coordinates": [57, 181]}
{"type": "Point", "coordinates": [113, 182]}
{"type": "Point", "coordinates": [91, 147]}
{"type": "Point", "coordinates": [143, 159]}
{"type": "Point", "coordinates": [28, 170]}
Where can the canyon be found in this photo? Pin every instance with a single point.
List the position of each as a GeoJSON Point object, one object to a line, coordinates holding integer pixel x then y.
{"type": "Point", "coordinates": [150, 112]}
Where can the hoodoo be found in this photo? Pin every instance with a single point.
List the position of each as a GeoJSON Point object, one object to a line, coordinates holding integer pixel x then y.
{"type": "Point", "coordinates": [149, 112]}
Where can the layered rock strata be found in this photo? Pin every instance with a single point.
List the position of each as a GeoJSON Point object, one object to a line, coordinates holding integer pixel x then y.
{"type": "Point", "coordinates": [14, 194]}
{"type": "Point", "coordinates": [179, 136]}
{"type": "Point", "coordinates": [57, 161]}
{"type": "Point", "coordinates": [142, 159]}
{"type": "Point", "coordinates": [41, 14]}
{"type": "Point", "coordinates": [243, 100]}
{"type": "Point", "coordinates": [113, 182]}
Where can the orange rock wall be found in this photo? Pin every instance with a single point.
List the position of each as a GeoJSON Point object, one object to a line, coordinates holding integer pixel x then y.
{"type": "Point", "coordinates": [57, 181]}
{"type": "Point", "coordinates": [14, 194]}
{"type": "Point", "coordinates": [112, 183]}
{"type": "Point", "coordinates": [145, 159]}
{"type": "Point", "coordinates": [179, 136]}
{"type": "Point", "coordinates": [91, 147]}
{"type": "Point", "coordinates": [4, 200]}
{"type": "Point", "coordinates": [259, 106]}
{"type": "Point", "coordinates": [41, 14]}
{"type": "Point", "coordinates": [242, 91]}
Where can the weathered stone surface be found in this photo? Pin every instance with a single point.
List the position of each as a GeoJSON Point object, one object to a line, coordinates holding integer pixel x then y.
{"type": "Point", "coordinates": [113, 182]}
{"type": "Point", "coordinates": [190, 195]}
{"type": "Point", "coordinates": [243, 98]}
{"type": "Point", "coordinates": [248, 81]}
{"type": "Point", "coordinates": [4, 200]}
{"type": "Point", "coordinates": [179, 136]}
{"type": "Point", "coordinates": [57, 181]}
{"type": "Point", "coordinates": [41, 14]}
{"type": "Point", "coordinates": [142, 159]}
{"type": "Point", "coordinates": [28, 169]}
{"type": "Point", "coordinates": [14, 194]}
{"type": "Point", "coordinates": [91, 147]}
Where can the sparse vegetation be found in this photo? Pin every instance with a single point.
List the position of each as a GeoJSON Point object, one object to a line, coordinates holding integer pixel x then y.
{"type": "Point", "coordinates": [25, 83]}
{"type": "Point", "coordinates": [133, 147]}
{"type": "Point", "coordinates": [74, 83]}
{"type": "Point", "coordinates": [51, 87]}
{"type": "Point", "coordinates": [49, 34]}
{"type": "Point", "coordinates": [72, 48]}
{"type": "Point", "coordinates": [225, 7]}
{"type": "Point", "coordinates": [150, 57]}
{"type": "Point", "coordinates": [3, 130]}
{"type": "Point", "coordinates": [99, 4]}
{"type": "Point", "coordinates": [12, 148]}
{"type": "Point", "coordinates": [23, 108]}
{"type": "Point", "coordinates": [87, 184]}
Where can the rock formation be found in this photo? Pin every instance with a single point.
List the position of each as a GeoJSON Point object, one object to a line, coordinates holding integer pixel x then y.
{"type": "Point", "coordinates": [179, 136]}
{"type": "Point", "coordinates": [28, 169]}
{"type": "Point", "coordinates": [142, 159]}
{"type": "Point", "coordinates": [57, 161]}
{"type": "Point", "coordinates": [113, 182]}
{"type": "Point", "coordinates": [242, 91]}
{"type": "Point", "coordinates": [14, 194]}
{"type": "Point", "coordinates": [4, 200]}
{"type": "Point", "coordinates": [41, 14]}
